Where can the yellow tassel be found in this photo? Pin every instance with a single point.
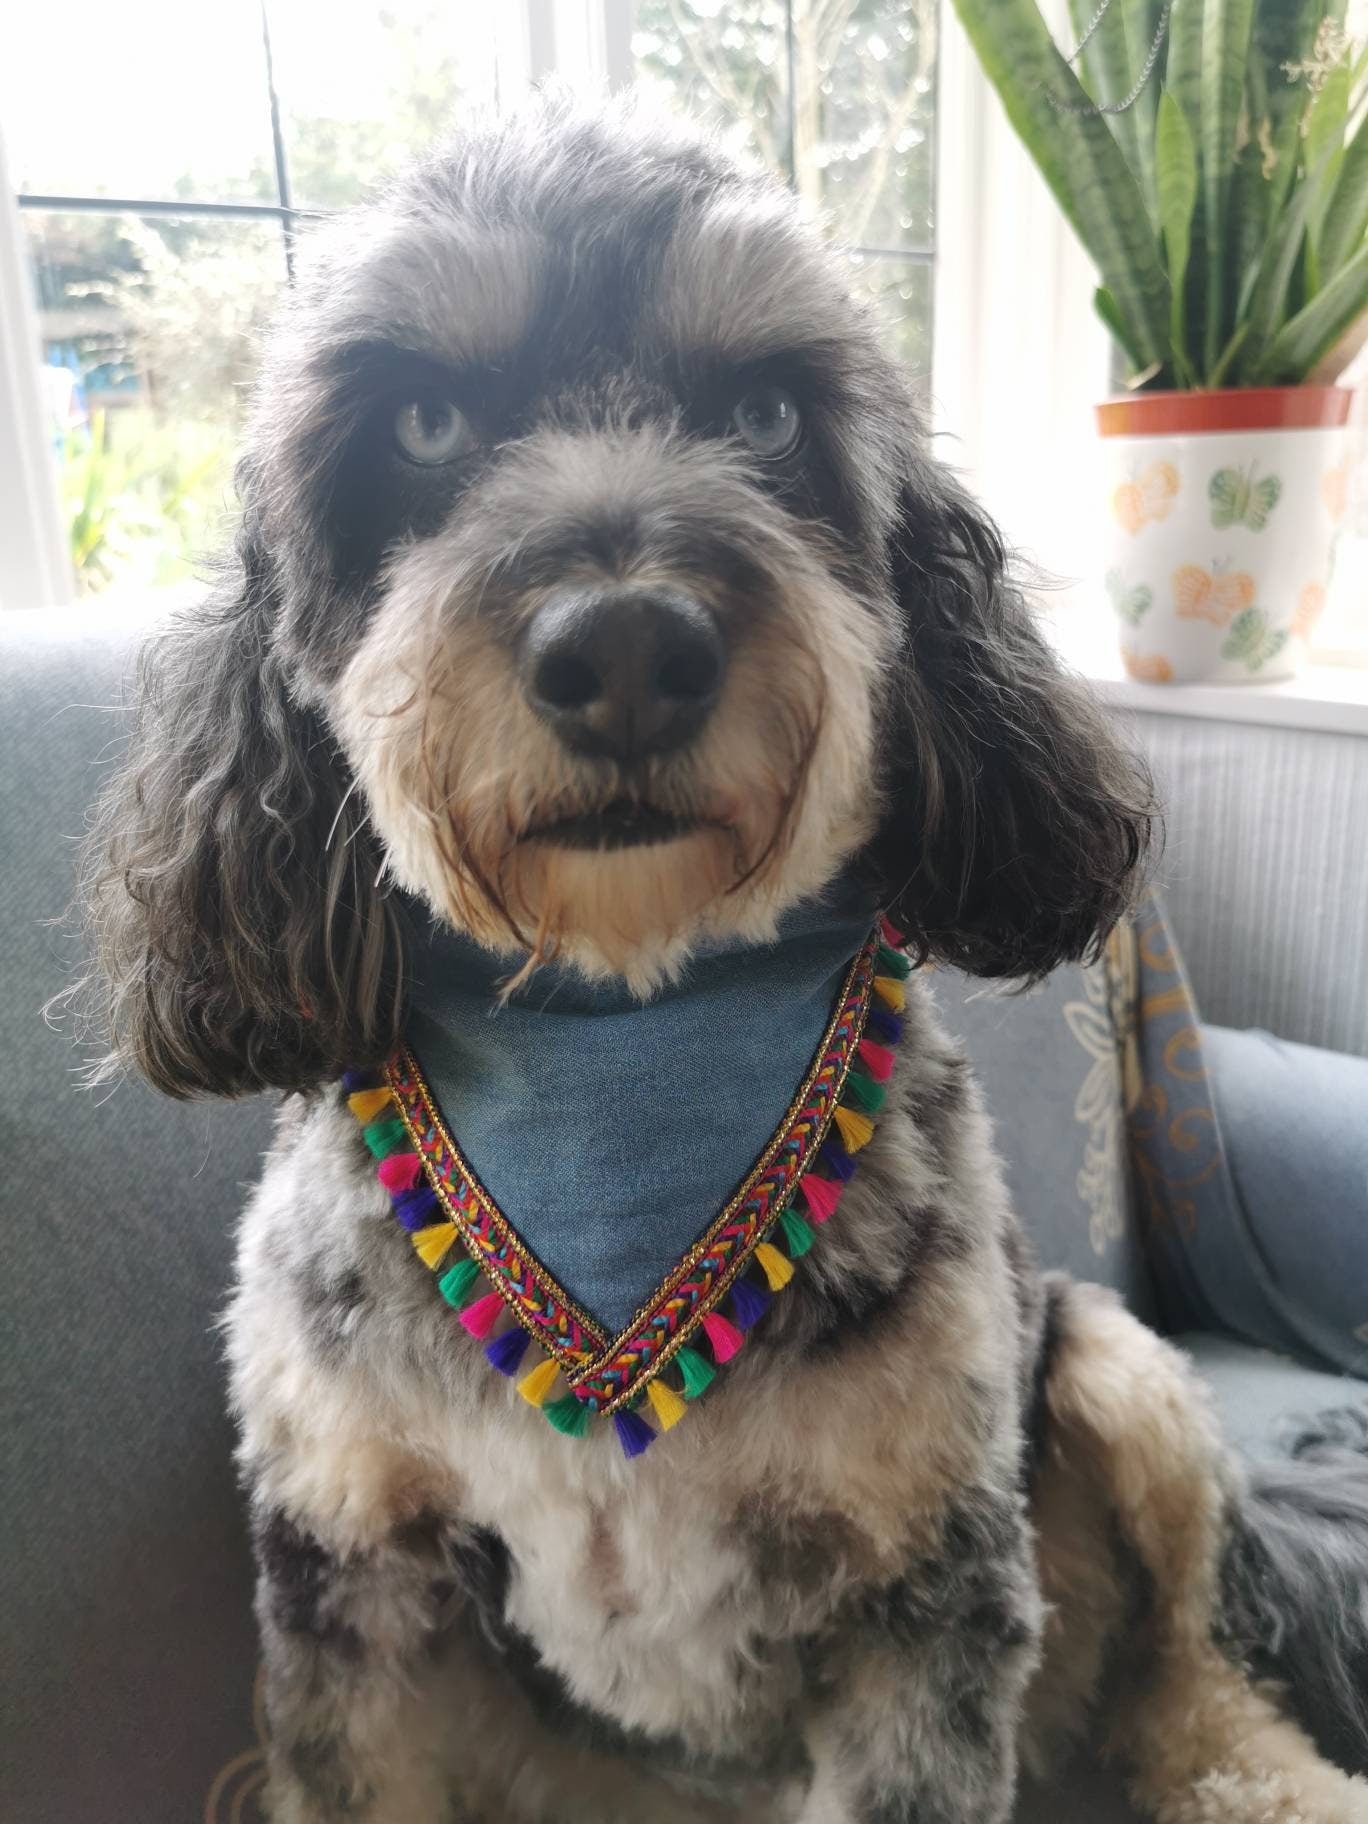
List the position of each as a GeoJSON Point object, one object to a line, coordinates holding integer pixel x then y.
{"type": "Point", "coordinates": [891, 992]}
{"type": "Point", "coordinates": [666, 1404]}
{"type": "Point", "coordinates": [534, 1387]}
{"type": "Point", "coordinates": [857, 1130]}
{"type": "Point", "coordinates": [433, 1244]}
{"type": "Point", "coordinates": [776, 1267]}
{"type": "Point", "coordinates": [367, 1103]}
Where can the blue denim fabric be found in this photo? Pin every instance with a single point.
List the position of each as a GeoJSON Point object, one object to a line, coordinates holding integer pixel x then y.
{"type": "Point", "coordinates": [612, 1133]}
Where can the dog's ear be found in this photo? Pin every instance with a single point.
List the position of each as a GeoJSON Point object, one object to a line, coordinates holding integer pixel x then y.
{"type": "Point", "coordinates": [1014, 823]}
{"type": "Point", "coordinates": [238, 937]}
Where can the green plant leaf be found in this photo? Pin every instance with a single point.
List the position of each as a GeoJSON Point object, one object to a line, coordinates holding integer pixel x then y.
{"type": "Point", "coordinates": [1175, 163]}
{"type": "Point", "coordinates": [1079, 160]}
{"type": "Point", "coordinates": [1345, 221]}
{"type": "Point", "coordinates": [1105, 306]}
{"type": "Point", "coordinates": [1118, 45]}
{"type": "Point", "coordinates": [1262, 308]}
{"type": "Point", "coordinates": [1309, 336]}
{"type": "Point", "coordinates": [1227, 26]}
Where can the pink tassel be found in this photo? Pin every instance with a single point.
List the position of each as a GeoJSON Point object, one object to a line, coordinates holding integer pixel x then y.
{"type": "Point", "coordinates": [891, 934]}
{"type": "Point", "coordinates": [821, 1196]}
{"type": "Point", "coordinates": [481, 1317]}
{"type": "Point", "coordinates": [400, 1172]}
{"type": "Point", "coordinates": [725, 1338]}
{"type": "Point", "coordinates": [877, 1060]}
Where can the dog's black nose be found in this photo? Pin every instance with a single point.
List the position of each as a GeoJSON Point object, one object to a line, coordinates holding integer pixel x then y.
{"type": "Point", "coordinates": [624, 672]}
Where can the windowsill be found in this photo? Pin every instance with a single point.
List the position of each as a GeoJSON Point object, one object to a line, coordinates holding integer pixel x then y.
{"type": "Point", "coordinates": [1332, 699]}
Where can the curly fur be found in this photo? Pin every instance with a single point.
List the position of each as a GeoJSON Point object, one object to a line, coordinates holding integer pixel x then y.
{"type": "Point", "coordinates": [895, 1548]}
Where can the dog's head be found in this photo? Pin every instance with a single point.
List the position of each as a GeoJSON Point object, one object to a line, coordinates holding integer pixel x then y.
{"type": "Point", "coordinates": [594, 585]}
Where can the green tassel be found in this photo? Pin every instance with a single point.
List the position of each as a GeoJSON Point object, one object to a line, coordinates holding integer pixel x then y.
{"type": "Point", "coordinates": [457, 1281]}
{"type": "Point", "coordinates": [697, 1374]}
{"type": "Point", "coordinates": [569, 1415]}
{"type": "Point", "coordinates": [893, 962]}
{"type": "Point", "coordinates": [797, 1232]}
{"type": "Point", "coordinates": [385, 1137]}
{"type": "Point", "coordinates": [863, 1092]}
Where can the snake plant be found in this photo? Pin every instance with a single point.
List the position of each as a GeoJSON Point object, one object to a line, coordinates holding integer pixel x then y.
{"type": "Point", "coordinates": [1212, 156]}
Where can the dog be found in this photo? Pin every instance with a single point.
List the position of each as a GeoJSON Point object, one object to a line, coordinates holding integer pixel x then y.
{"type": "Point", "coordinates": [596, 597]}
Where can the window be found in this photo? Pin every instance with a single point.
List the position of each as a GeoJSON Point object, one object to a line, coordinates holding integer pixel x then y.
{"type": "Point", "coordinates": [158, 207]}
{"type": "Point", "coordinates": [836, 96]}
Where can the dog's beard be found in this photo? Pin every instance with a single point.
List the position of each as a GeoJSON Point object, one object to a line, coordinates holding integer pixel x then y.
{"type": "Point", "coordinates": [531, 850]}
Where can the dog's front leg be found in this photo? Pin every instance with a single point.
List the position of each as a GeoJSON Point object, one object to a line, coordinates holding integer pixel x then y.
{"type": "Point", "coordinates": [921, 1697]}
{"type": "Point", "coordinates": [348, 1644]}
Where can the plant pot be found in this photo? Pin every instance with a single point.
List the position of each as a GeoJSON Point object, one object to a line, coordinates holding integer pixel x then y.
{"type": "Point", "coordinates": [1221, 515]}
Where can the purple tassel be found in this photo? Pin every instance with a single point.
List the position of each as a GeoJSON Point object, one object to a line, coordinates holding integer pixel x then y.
{"type": "Point", "coordinates": [634, 1434]}
{"type": "Point", "coordinates": [836, 1161]}
{"type": "Point", "coordinates": [417, 1208]}
{"type": "Point", "coordinates": [506, 1351]}
{"type": "Point", "coordinates": [749, 1303]}
{"type": "Point", "coordinates": [354, 1081]}
{"type": "Point", "coordinates": [884, 1026]}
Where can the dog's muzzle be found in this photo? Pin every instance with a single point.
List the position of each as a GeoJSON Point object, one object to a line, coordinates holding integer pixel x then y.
{"type": "Point", "coordinates": [623, 673]}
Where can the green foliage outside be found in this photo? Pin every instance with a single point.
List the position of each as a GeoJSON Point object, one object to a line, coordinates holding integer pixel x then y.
{"type": "Point", "coordinates": [1212, 156]}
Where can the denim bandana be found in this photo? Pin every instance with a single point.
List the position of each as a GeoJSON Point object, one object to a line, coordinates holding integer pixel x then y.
{"type": "Point", "coordinates": [599, 1175]}
{"type": "Point", "coordinates": [611, 1132]}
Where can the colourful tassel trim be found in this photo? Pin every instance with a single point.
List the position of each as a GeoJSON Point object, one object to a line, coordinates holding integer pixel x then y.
{"type": "Point", "coordinates": [821, 1197]}
{"type": "Point", "coordinates": [399, 1172]}
{"type": "Point", "coordinates": [480, 1318]}
{"type": "Point", "coordinates": [384, 1115]}
{"type": "Point", "coordinates": [863, 1092]}
{"type": "Point", "coordinates": [535, 1386]}
{"type": "Point", "coordinates": [666, 1404]}
{"type": "Point", "coordinates": [366, 1104]}
{"type": "Point", "coordinates": [883, 1025]}
{"type": "Point", "coordinates": [697, 1373]}
{"type": "Point", "coordinates": [725, 1338]}
{"type": "Point", "coordinates": [749, 1304]}
{"type": "Point", "coordinates": [797, 1234]}
{"type": "Point", "coordinates": [456, 1282]}
{"type": "Point", "coordinates": [856, 1130]}
{"type": "Point", "coordinates": [569, 1415]}
{"type": "Point", "coordinates": [776, 1267]}
{"type": "Point", "coordinates": [417, 1209]}
{"type": "Point", "coordinates": [506, 1352]}
{"type": "Point", "coordinates": [432, 1245]}
{"type": "Point", "coordinates": [634, 1434]}
{"type": "Point", "coordinates": [382, 1137]}
{"type": "Point", "coordinates": [877, 1060]}
{"type": "Point", "coordinates": [891, 992]}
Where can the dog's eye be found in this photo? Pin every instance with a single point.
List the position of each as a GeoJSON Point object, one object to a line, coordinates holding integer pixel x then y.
{"type": "Point", "coordinates": [432, 431]}
{"type": "Point", "coordinates": [768, 419]}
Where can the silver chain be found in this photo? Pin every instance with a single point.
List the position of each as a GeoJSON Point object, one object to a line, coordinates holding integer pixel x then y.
{"type": "Point", "coordinates": [1129, 101]}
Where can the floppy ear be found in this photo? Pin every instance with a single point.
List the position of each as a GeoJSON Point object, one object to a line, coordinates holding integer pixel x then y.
{"type": "Point", "coordinates": [238, 936]}
{"type": "Point", "coordinates": [1014, 822]}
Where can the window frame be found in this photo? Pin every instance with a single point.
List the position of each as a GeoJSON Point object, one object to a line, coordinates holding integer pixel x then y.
{"type": "Point", "coordinates": [586, 44]}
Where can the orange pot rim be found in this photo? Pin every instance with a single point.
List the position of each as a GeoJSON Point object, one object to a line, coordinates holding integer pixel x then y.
{"type": "Point", "coordinates": [1236, 408]}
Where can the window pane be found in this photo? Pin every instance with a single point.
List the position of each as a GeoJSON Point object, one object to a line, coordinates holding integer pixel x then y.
{"type": "Point", "coordinates": [362, 94]}
{"type": "Point", "coordinates": [901, 293]}
{"type": "Point", "coordinates": [149, 332]}
{"type": "Point", "coordinates": [724, 62]}
{"type": "Point", "coordinates": [151, 98]}
{"type": "Point", "coordinates": [864, 85]}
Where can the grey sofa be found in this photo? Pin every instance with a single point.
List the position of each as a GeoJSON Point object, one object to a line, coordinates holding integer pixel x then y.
{"type": "Point", "coordinates": [127, 1589]}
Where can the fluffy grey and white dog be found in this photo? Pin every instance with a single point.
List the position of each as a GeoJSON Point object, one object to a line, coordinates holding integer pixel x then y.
{"type": "Point", "coordinates": [574, 360]}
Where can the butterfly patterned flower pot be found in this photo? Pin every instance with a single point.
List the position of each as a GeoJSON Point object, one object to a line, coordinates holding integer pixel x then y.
{"type": "Point", "coordinates": [1222, 510]}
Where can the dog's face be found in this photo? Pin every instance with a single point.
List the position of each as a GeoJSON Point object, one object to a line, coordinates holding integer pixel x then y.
{"type": "Point", "coordinates": [581, 468]}
{"type": "Point", "coordinates": [594, 586]}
